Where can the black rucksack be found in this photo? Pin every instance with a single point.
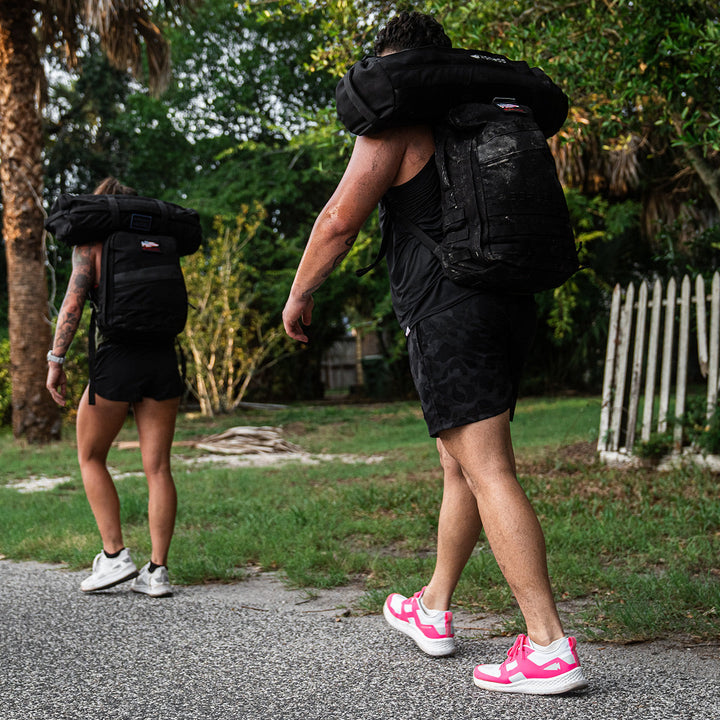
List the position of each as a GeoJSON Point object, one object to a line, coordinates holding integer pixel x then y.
{"type": "Point", "coordinates": [506, 225]}
{"type": "Point", "coordinates": [141, 298]}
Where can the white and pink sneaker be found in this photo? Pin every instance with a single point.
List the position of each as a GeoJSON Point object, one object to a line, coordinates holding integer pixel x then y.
{"type": "Point", "coordinates": [431, 630]}
{"type": "Point", "coordinates": [551, 671]}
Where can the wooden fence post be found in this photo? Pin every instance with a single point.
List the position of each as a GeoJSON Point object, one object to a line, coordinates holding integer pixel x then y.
{"type": "Point", "coordinates": [609, 375]}
{"type": "Point", "coordinates": [668, 337]}
{"type": "Point", "coordinates": [681, 374]}
{"type": "Point", "coordinates": [701, 315]}
{"type": "Point", "coordinates": [653, 343]}
{"type": "Point", "coordinates": [637, 366]}
{"type": "Point", "coordinates": [621, 367]}
{"type": "Point", "coordinates": [714, 351]}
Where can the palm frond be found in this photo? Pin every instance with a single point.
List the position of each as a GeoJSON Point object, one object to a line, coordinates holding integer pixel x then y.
{"type": "Point", "coordinates": [125, 29]}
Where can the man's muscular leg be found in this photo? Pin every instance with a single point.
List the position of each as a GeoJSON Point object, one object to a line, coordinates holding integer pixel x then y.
{"type": "Point", "coordinates": [484, 450]}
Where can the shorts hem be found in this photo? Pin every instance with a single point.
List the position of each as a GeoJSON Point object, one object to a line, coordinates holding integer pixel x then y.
{"type": "Point", "coordinates": [450, 425]}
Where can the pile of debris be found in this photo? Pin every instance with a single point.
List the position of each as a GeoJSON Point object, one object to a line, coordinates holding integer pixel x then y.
{"type": "Point", "coordinates": [248, 440]}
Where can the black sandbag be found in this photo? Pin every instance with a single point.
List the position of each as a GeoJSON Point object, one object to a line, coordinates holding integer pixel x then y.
{"type": "Point", "coordinates": [423, 84]}
{"type": "Point", "coordinates": [84, 219]}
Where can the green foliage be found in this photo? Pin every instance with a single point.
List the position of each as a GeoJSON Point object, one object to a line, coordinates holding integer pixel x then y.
{"type": "Point", "coordinates": [229, 339]}
{"type": "Point", "coordinates": [240, 77]}
{"type": "Point", "coordinates": [5, 387]}
{"type": "Point", "coordinates": [656, 447]}
{"type": "Point", "coordinates": [701, 431]}
{"type": "Point", "coordinates": [699, 256]}
{"type": "Point", "coordinates": [570, 342]}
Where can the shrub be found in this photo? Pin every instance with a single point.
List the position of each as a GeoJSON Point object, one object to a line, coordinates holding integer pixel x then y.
{"type": "Point", "coordinates": [656, 447]}
{"type": "Point", "coordinates": [5, 387]}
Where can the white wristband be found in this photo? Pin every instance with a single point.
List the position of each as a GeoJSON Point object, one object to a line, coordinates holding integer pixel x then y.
{"type": "Point", "coordinates": [59, 359]}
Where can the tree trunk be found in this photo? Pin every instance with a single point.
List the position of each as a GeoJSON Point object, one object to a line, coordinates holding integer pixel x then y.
{"type": "Point", "coordinates": [34, 415]}
{"type": "Point", "coordinates": [709, 175]}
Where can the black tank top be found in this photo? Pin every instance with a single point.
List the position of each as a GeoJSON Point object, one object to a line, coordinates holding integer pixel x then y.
{"type": "Point", "coordinates": [418, 286]}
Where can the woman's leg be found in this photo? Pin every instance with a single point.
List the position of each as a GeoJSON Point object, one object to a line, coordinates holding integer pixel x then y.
{"type": "Point", "coordinates": [97, 426]}
{"type": "Point", "coordinates": [156, 428]}
{"type": "Point", "coordinates": [459, 527]}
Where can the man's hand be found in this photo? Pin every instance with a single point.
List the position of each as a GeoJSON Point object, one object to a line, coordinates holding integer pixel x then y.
{"type": "Point", "coordinates": [56, 382]}
{"type": "Point", "coordinates": [297, 308]}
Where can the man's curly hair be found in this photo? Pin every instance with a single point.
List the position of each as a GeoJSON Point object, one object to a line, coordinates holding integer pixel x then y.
{"type": "Point", "coordinates": [409, 30]}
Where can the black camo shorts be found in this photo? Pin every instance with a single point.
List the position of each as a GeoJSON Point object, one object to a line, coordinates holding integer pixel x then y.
{"type": "Point", "coordinates": [466, 360]}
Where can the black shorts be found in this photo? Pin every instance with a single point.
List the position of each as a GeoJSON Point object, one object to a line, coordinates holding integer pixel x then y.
{"type": "Point", "coordinates": [130, 373]}
{"type": "Point", "coordinates": [466, 361]}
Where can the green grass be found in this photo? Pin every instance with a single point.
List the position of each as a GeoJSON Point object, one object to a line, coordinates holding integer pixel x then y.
{"type": "Point", "coordinates": [636, 551]}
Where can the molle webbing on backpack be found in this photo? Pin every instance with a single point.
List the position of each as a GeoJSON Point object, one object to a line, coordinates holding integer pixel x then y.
{"type": "Point", "coordinates": [506, 224]}
{"type": "Point", "coordinates": [85, 219]}
{"type": "Point", "coordinates": [420, 86]}
{"type": "Point", "coordinates": [141, 298]}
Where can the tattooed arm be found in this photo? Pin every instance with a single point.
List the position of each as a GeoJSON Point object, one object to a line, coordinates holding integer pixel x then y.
{"type": "Point", "coordinates": [81, 281]}
{"type": "Point", "coordinates": [372, 169]}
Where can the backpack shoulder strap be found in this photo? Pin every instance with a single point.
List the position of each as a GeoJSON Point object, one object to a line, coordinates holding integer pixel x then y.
{"type": "Point", "coordinates": [91, 355]}
{"type": "Point", "coordinates": [418, 233]}
{"type": "Point", "coordinates": [414, 230]}
{"type": "Point", "coordinates": [380, 255]}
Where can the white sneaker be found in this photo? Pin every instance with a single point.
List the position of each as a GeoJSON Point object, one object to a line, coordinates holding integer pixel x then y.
{"type": "Point", "coordinates": [107, 572]}
{"type": "Point", "coordinates": [432, 631]}
{"type": "Point", "coordinates": [155, 584]}
{"type": "Point", "coordinates": [535, 672]}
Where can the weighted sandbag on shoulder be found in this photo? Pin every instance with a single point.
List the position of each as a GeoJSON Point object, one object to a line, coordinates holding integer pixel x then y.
{"type": "Point", "coordinates": [84, 219]}
{"type": "Point", "coordinates": [423, 84]}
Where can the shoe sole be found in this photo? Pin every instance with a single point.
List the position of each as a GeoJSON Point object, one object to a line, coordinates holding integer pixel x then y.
{"type": "Point", "coordinates": [112, 583]}
{"type": "Point", "coordinates": [567, 682]}
{"type": "Point", "coordinates": [153, 593]}
{"type": "Point", "coordinates": [437, 648]}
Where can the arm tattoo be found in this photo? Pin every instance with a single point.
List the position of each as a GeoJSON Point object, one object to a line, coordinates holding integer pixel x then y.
{"type": "Point", "coordinates": [81, 280]}
{"type": "Point", "coordinates": [326, 273]}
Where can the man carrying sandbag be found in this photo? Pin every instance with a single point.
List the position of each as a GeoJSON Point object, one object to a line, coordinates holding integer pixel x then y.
{"type": "Point", "coordinates": [467, 344]}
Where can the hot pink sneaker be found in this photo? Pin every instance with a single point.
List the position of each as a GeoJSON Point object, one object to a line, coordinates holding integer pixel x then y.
{"type": "Point", "coordinates": [530, 671]}
{"type": "Point", "coordinates": [431, 631]}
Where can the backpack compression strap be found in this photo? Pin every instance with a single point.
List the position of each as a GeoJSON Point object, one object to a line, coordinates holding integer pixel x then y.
{"type": "Point", "coordinates": [91, 358]}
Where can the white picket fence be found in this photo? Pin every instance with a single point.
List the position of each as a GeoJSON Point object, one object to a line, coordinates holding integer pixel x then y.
{"type": "Point", "coordinates": [653, 351]}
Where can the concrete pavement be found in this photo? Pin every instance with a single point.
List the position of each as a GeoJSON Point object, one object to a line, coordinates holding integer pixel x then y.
{"type": "Point", "coordinates": [256, 650]}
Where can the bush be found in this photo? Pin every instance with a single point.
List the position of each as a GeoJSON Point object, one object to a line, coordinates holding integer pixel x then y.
{"type": "Point", "coordinates": [702, 432]}
{"type": "Point", "coordinates": [656, 447]}
{"type": "Point", "coordinates": [5, 387]}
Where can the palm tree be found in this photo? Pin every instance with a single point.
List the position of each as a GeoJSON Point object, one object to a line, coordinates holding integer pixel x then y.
{"type": "Point", "coordinates": [124, 29]}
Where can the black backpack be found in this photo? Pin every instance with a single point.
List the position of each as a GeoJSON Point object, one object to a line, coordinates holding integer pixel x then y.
{"type": "Point", "coordinates": [141, 297]}
{"type": "Point", "coordinates": [506, 225]}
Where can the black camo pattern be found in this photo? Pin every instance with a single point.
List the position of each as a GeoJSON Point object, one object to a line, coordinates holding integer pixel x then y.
{"type": "Point", "coordinates": [466, 361]}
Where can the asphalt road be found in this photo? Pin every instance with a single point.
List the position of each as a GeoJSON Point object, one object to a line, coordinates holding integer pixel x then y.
{"type": "Point", "coordinates": [256, 650]}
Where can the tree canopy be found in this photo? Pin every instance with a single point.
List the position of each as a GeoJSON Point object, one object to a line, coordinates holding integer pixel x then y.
{"type": "Point", "coordinates": [248, 117]}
